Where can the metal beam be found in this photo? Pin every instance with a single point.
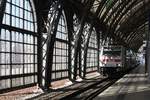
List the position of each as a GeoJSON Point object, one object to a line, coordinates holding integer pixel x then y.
{"type": "Point", "coordinates": [78, 37]}
{"type": "Point", "coordinates": [69, 18]}
{"type": "Point", "coordinates": [50, 47]}
{"type": "Point", "coordinates": [39, 49]}
{"type": "Point", "coordinates": [2, 9]}
{"type": "Point", "coordinates": [86, 50]}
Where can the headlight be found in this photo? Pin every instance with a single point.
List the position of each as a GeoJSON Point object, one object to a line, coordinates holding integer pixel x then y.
{"type": "Point", "coordinates": [118, 65]}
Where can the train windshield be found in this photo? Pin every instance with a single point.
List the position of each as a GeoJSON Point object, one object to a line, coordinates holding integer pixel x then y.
{"type": "Point", "coordinates": [112, 53]}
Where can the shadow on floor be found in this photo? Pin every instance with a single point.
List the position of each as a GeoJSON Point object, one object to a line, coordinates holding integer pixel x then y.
{"type": "Point", "coordinates": [142, 95]}
{"type": "Point", "coordinates": [133, 86]}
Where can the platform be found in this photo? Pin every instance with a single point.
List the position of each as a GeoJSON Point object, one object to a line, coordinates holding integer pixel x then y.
{"type": "Point", "coordinates": [133, 86]}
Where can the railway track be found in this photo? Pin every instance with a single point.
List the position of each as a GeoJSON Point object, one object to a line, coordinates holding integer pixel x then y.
{"type": "Point", "coordinates": [90, 92]}
{"type": "Point", "coordinates": [70, 90]}
{"type": "Point", "coordinates": [83, 91]}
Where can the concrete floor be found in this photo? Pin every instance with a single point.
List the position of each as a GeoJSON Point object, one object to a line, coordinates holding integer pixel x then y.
{"type": "Point", "coordinates": [133, 86]}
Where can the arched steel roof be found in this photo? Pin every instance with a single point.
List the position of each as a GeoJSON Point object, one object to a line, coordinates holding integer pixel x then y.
{"type": "Point", "coordinates": [124, 20]}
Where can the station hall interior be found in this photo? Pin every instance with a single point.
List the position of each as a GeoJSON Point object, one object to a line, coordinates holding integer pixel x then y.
{"type": "Point", "coordinates": [74, 49]}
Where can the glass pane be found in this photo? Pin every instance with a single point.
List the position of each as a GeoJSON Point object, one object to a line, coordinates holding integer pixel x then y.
{"type": "Point", "coordinates": [17, 47]}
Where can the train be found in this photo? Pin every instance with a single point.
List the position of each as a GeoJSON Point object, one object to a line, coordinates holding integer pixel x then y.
{"type": "Point", "coordinates": [115, 59]}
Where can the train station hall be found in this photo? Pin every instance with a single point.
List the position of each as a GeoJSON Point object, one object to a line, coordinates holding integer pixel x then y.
{"type": "Point", "coordinates": [74, 49]}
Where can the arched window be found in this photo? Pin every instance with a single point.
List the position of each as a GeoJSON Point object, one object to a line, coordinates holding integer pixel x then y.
{"type": "Point", "coordinates": [60, 54]}
{"type": "Point", "coordinates": [92, 58]}
{"type": "Point", "coordinates": [18, 45]}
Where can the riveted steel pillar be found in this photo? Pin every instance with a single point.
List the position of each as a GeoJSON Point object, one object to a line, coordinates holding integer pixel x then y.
{"type": "Point", "coordinates": [39, 17]}
{"type": "Point", "coordinates": [78, 37]}
{"type": "Point", "coordinates": [98, 52]}
{"type": "Point", "coordinates": [50, 48]}
{"type": "Point", "coordinates": [86, 50]}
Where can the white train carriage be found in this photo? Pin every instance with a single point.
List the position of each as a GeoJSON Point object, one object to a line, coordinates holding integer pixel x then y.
{"type": "Point", "coordinates": [111, 60]}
